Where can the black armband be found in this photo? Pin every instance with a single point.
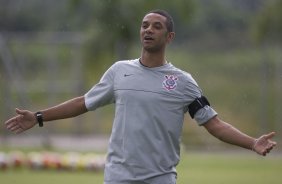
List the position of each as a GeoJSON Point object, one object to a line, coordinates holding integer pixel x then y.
{"type": "Point", "coordinates": [197, 104]}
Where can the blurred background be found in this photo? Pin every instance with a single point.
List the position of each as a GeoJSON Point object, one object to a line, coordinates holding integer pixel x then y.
{"type": "Point", "coordinates": [51, 51]}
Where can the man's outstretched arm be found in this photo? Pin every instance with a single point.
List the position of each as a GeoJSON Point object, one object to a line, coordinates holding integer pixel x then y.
{"type": "Point", "coordinates": [25, 119]}
{"type": "Point", "coordinates": [229, 134]}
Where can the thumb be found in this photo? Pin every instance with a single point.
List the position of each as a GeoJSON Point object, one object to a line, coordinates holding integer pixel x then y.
{"type": "Point", "coordinates": [270, 135]}
{"type": "Point", "coordinates": [20, 112]}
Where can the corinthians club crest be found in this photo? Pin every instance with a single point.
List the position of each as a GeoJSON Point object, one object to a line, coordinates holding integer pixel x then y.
{"type": "Point", "coordinates": [170, 82]}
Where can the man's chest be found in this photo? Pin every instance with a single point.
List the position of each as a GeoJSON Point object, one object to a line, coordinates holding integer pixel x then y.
{"type": "Point", "coordinates": [148, 87]}
{"type": "Point", "coordinates": [159, 82]}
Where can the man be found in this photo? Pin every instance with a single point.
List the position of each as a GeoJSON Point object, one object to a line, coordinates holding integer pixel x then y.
{"type": "Point", "coordinates": [151, 97]}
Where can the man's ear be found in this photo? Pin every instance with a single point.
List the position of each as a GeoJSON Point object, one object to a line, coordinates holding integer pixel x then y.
{"type": "Point", "coordinates": [170, 37]}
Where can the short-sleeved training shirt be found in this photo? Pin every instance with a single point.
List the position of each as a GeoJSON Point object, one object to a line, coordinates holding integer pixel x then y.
{"type": "Point", "coordinates": [150, 104]}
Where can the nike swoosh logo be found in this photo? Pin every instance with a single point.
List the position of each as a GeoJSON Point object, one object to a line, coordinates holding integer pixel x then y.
{"type": "Point", "coordinates": [126, 75]}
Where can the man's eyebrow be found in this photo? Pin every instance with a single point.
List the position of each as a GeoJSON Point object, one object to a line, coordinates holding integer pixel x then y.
{"type": "Point", "coordinates": [147, 22]}
{"type": "Point", "coordinates": [158, 23]}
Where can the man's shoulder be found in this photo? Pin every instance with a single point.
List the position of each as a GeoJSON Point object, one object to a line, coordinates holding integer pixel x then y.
{"type": "Point", "coordinates": [185, 77]}
{"type": "Point", "coordinates": [179, 71]}
{"type": "Point", "coordinates": [125, 62]}
{"type": "Point", "coordinates": [122, 65]}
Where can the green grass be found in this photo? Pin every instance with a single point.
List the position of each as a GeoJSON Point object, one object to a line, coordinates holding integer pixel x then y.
{"type": "Point", "coordinates": [49, 177]}
{"type": "Point", "coordinates": [194, 168]}
{"type": "Point", "coordinates": [230, 168]}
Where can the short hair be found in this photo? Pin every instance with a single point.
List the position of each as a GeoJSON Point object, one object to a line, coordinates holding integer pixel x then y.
{"type": "Point", "coordinates": [169, 19]}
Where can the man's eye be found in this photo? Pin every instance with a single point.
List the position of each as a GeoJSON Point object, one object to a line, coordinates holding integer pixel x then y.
{"type": "Point", "coordinates": [158, 27]}
{"type": "Point", "coordinates": [144, 26]}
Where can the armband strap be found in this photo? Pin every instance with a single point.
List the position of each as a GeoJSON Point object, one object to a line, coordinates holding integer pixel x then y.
{"type": "Point", "coordinates": [197, 104]}
{"type": "Point", "coordinates": [39, 118]}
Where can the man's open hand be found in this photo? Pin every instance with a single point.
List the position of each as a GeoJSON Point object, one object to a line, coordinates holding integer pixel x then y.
{"type": "Point", "coordinates": [24, 120]}
{"type": "Point", "coordinates": [264, 144]}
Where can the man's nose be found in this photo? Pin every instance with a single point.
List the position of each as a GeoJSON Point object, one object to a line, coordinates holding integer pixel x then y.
{"type": "Point", "coordinates": [149, 29]}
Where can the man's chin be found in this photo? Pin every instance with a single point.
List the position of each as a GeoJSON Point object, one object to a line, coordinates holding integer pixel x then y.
{"type": "Point", "coordinates": [151, 49]}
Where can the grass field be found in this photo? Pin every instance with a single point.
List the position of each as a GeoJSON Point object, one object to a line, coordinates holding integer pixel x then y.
{"type": "Point", "coordinates": [194, 168]}
{"type": "Point", "coordinates": [230, 169]}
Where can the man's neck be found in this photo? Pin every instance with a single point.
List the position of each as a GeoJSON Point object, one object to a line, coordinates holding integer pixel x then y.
{"type": "Point", "coordinates": [152, 59]}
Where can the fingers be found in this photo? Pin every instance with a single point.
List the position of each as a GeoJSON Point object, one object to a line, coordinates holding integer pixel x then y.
{"type": "Point", "coordinates": [264, 144]}
{"type": "Point", "coordinates": [8, 122]}
{"type": "Point", "coordinates": [270, 144]}
{"type": "Point", "coordinates": [16, 129]}
{"type": "Point", "coordinates": [11, 122]}
{"type": "Point", "coordinates": [267, 150]}
{"type": "Point", "coordinates": [14, 124]}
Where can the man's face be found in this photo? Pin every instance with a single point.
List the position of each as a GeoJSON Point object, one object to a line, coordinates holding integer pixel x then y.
{"type": "Point", "coordinates": [153, 32]}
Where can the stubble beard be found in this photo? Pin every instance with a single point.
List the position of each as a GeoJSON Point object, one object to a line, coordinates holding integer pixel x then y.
{"type": "Point", "coordinates": [153, 49]}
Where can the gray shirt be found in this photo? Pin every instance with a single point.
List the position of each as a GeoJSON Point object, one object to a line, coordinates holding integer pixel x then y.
{"type": "Point", "coordinates": [150, 104]}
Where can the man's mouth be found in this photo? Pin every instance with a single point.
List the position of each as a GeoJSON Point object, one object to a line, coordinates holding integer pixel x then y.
{"type": "Point", "coordinates": [148, 38]}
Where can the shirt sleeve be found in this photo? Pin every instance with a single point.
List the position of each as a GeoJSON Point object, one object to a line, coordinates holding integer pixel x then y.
{"type": "Point", "coordinates": [204, 114]}
{"type": "Point", "coordinates": [102, 93]}
{"type": "Point", "coordinates": [193, 91]}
